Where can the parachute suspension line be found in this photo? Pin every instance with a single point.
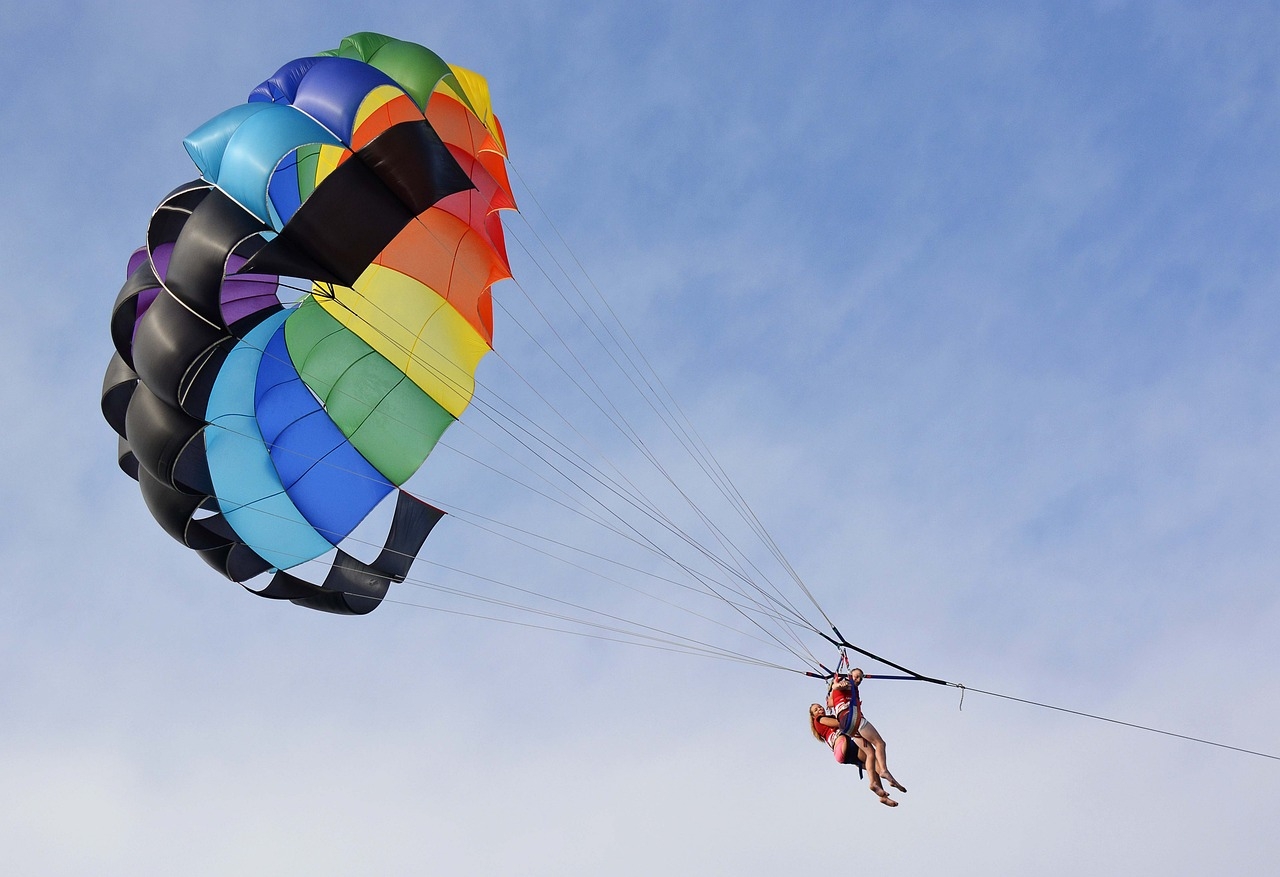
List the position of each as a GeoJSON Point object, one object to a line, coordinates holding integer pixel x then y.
{"type": "Point", "coordinates": [734, 554]}
{"type": "Point", "coordinates": [633, 494]}
{"type": "Point", "coordinates": [630, 432]}
{"type": "Point", "coordinates": [562, 474]}
{"type": "Point", "coordinates": [627, 430]}
{"type": "Point", "coordinates": [617, 418]}
{"type": "Point", "coordinates": [567, 562]}
{"type": "Point", "coordinates": [691, 572]}
{"type": "Point", "coordinates": [679, 642]}
{"type": "Point", "coordinates": [675, 419]}
{"type": "Point", "coordinates": [635, 536]}
{"type": "Point", "coordinates": [657, 647]}
{"type": "Point", "coordinates": [750, 612]}
{"type": "Point", "coordinates": [463, 515]}
{"type": "Point", "coordinates": [705, 456]}
{"type": "Point", "coordinates": [653, 510]}
{"type": "Point", "coordinates": [700, 458]}
{"type": "Point", "coordinates": [776, 598]}
{"type": "Point", "coordinates": [717, 478]}
{"type": "Point", "coordinates": [640, 502]}
{"type": "Point", "coordinates": [654, 633]}
{"type": "Point", "coordinates": [732, 551]}
{"type": "Point", "coordinates": [634, 438]}
{"type": "Point", "coordinates": [671, 642]}
{"type": "Point", "coordinates": [710, 590]}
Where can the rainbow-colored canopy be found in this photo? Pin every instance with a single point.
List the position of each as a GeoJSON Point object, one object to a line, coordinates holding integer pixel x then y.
{"type": "Point", "coordinates": [305, 320]}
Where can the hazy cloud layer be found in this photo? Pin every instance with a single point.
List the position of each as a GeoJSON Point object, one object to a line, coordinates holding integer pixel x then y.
{"type": "Point", "coordinates": [978, 307]}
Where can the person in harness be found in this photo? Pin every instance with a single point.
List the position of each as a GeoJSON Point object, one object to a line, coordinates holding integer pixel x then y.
{"type": "Point", "coordinates": [843, 718]}
{"type": "Point", "coordinates": [847, 749]}
{"type": "Point", "coordinates": [845, 703]}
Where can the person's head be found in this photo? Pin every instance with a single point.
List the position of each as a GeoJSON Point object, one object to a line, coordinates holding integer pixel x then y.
{"type": "Point", "coordinates": [816, 711]}
{"type": "Point", "coordinates": [856, 675]}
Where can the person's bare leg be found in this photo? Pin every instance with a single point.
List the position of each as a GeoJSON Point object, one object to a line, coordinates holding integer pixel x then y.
{"type": "Point", "coordinates": [876, 743]}
{"type": "Point", "coordinates": [868, 756]}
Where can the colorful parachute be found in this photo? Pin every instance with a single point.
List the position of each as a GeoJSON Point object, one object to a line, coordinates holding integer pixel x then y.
{"type": "Point", "coordinates": [305, 320]}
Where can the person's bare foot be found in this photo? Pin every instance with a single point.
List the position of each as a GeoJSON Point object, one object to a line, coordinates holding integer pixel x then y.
{"type": "Point", "coordinates": [897, 785]}
{"type": "Point", "coordinates": [888, 802]}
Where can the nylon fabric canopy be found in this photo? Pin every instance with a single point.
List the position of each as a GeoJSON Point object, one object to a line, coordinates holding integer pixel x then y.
{"type": "Point", "coordinates": [304, 321]}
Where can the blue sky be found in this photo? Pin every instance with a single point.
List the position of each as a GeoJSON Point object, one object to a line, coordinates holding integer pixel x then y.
{"type": "Point", "coordinates": [977, 303]}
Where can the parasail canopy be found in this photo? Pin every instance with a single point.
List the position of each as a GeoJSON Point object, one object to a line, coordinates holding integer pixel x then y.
{"type": "Point", "coordinates": [304, 321]}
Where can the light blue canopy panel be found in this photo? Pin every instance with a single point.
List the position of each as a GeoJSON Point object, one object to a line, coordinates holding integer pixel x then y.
{"type": "Point", "coordinates": [249, 490]}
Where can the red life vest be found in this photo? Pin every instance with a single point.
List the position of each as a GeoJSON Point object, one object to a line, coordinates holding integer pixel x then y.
{"type": "Point", "coordinates": [839, 701]}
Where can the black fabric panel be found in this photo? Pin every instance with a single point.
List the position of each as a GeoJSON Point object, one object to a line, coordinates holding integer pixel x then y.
{"type": "Point", "coordinates": [124, 314]}
{"type": "Point", "coordinates": [412, 523]}
{"type": "Point", "coordinates": [236, 561]}
{"type": "Point", "coordinates": [174, 511]}
{"type": "Point", "coordinates": [353, 587]}
{"type": "Point", "coordinates": [125, 458]}
{"type": "Point", "coordinates": [166, 443]}
{"type": "Point", "coordinates": [187, 195]}
{"type": "Point", "coordinates": [182, 349]}
{"type": "Point", "coordinates": [219, 558]}
{"type": "Point", "coordinates": [198, 381]}
{"type": "Point", "coordinates": [117, 389]}
{"type": "Point", "coordinates": [166, 224]}
{"type": "Point", "coordinates": [170, 340]}
{"type": "Point", "coordinates": [338, 231]}
{"type": "Point", "coordinates": [216, 523]}
{"type": "Point", "coordinates": [350, 588]}
{"type": "Point", "coordinates": [211, 537]}
{"type": "Point", "coordinates": [359, 208]}
{"type": "Point", "coordinates": [286, 586]}
{"type": "Point", "coordinates": [215, 228]}
{"type": "Point", "coordinates": [172, 213]}
{"type": "Point", "coordinates": [414, 163]}
{"type": "Point", "coordinates": [243, 563]}
{"type": "Point", "coordinates": [341, 594]}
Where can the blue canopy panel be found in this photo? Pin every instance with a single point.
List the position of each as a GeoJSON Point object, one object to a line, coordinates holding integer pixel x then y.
{"type": "Point", "coordinates": [250, 494]}
{"type": "Point", "coordinates": [284, 191]}
{"type": "Point", "coordinates": [283, 84]}
{"type": "Point", "coordinates": [330, 482]}
{"type": "Point", "coordinates": [239, 149]}
{"type": "Point", "coordinates": [329, 90]}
